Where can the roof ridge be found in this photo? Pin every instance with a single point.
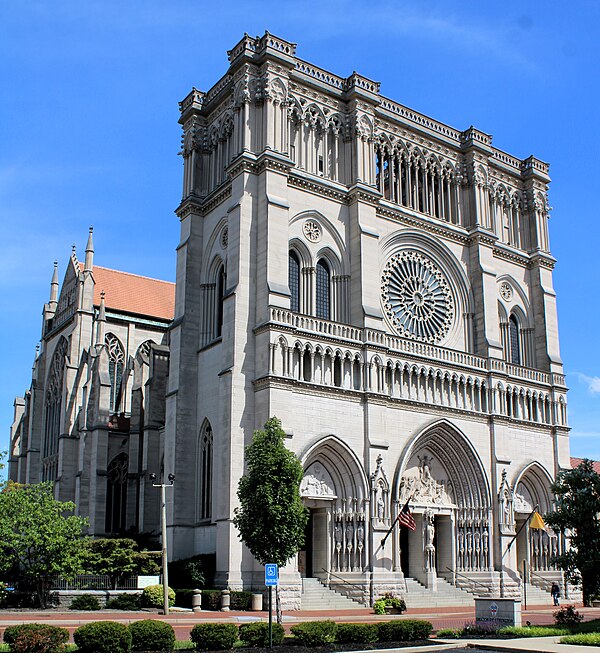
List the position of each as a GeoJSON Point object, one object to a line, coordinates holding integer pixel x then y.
{"type": "Point", "coordinates": [132, 274]}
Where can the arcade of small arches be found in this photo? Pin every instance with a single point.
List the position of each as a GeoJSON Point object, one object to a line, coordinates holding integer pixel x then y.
{"type": "Point", "coordinates": [423, 184]}
{"type": "Point", "coordinates": [402, 380]}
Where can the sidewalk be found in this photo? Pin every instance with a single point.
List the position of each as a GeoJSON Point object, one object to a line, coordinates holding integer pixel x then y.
{"type": "Point", "coordinates": [456, 617]}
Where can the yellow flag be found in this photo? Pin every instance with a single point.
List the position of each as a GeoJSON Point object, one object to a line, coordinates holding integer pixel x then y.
{"type": "Point", "coordinates": [537, 521]}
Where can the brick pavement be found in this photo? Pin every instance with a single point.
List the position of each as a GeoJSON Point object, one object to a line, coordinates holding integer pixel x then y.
{"type": "Point", "coordinates": [183, 622]}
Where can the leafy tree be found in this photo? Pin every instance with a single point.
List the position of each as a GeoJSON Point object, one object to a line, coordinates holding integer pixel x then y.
{"type": "Point", "coordinates": [271, 517]}
{"type": "Point", "coordinates": [117, 557]}
{"type": "Point", "coordinates": [577, 512]}
{"type": "Point", "coordinates": [36, 538]}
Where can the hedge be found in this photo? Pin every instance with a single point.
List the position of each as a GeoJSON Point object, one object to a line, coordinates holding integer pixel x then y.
{"type": "Point", "coordinates": [36, 638]}
{"type": "Point", "coordinates": [357, 633]}
{"type": "Point", "coordinates": [214, 637]}
{"type": "Point", "coordinates": [152, 635]}
{"type": "Point", "coordinates": [315, 633]}
{"type": "Point", "coordinates": [103, 637]}
{"type": "Point", "coordinates": [406, 630]}
{"type": "Point", "coordinates": [256, 634]}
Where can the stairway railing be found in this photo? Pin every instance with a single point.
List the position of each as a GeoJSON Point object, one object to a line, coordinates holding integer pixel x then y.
{"type": "Point", "coordinates": [346, 582]}
{"type": "Point", "coordinates": [473, 582]}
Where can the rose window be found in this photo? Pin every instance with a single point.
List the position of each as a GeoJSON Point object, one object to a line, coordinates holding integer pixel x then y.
{"type": "Point", "coordinates": [417, 297]}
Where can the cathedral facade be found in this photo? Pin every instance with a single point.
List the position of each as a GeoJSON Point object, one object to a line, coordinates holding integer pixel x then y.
{"type": "Point", "coordinates": [92, 417]}
{"type": "Point", "coordinates": [382, 283]}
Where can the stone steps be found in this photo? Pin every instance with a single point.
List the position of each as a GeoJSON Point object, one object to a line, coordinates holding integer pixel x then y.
{"type": "Point", "coordinates": [418, 596]}
{"type": "Point", "coordinates": [315, 596]}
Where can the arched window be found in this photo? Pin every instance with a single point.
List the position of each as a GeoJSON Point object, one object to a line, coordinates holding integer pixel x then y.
{"type": "Point", "coordinates": [220, 294]}
{"type": "Point", "coordinates": [514, 340]}
{"type": "Point", "coordinates": [204, 471]}
{"type": "Point", "coordinates": [116, 494]}
{"type": "Point", "coordinates": [144, 350]}
{"type": "Point", "coordinates": [294, 281]}
{"type": "Point", "coordinates": [116, 363]}
{"type": "Point", "coordinates": [323, 303]}
{"type": "Point", "coordinates": [54, 392]}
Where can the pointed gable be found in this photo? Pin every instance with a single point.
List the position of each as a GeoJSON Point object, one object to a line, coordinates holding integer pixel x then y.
{"type": "Point", "coordinates": [68, 297]}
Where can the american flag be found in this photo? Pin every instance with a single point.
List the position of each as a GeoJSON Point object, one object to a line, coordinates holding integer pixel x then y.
{"type": "Point", "coordinates": [405, 518]}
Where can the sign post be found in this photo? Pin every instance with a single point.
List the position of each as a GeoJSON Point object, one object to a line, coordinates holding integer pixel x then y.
{"type": "Point", "coordinates": [271, 581]}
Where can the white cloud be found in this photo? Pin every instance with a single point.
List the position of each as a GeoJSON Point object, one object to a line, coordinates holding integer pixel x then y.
{"type": "Point", "coordinates": [592, 382]}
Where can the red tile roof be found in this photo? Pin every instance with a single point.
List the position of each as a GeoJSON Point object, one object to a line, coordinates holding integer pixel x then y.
{"type": "Point", "coordinates": [132, 293]}
{"type": "Point", "coordinates": [595, 463]}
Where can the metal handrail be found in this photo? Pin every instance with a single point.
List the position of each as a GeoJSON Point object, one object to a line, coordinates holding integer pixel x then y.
{"type": "Point", "coordinates": [362, 589]}
{"type": "Point", "coordinates": [532, 573]}
{"type": "Point", "coordinates": [471, 580]}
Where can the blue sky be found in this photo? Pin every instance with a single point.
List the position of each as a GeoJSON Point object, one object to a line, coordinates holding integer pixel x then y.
{"type": "Point", "coordinates": [89, 133]}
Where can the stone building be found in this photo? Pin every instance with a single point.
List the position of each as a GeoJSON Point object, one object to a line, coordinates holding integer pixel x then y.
{"type": "Point", "coordinates": [86, 423]}
{"type": "Point", "coordinates": [382, 283]}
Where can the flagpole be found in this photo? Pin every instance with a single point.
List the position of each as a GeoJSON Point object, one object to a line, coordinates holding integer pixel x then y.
{"type": "Point", "coordinates": [519, 531]}
{"type": "Point", "coordinates": [391, 528]}
{"type": "Point", "coordinates": [508, 548]}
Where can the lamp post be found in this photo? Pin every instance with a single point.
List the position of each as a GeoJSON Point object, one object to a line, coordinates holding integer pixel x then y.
{"type": "Point", "coordinates": [163, 528]}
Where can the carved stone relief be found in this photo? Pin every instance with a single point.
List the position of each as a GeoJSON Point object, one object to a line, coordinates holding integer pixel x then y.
{"type": "Point", "coordinates": [419, 485]}
{"type": "Point", "coordinates": [317, 483]}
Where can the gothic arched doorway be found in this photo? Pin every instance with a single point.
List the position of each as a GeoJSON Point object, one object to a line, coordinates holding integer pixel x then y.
{"type": "Point", "coordinates": [535, 547]}
{"type": "Point", "coordinates": [334, 490]}
{"type": "Point", "coordinates": [442, 479]}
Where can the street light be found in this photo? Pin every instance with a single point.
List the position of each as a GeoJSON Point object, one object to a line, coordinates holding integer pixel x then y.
{"type": "Point", "coordinates": [163, 528]}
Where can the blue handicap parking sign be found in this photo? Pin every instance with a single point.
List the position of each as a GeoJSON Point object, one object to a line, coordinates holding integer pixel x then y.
{"type": "Point", "coordinates": [271, 575]}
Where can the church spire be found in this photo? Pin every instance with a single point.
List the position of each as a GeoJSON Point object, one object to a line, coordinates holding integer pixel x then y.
{"type": "Point", "coordinates": [89, 252]}
{"type": "Point", "coordinates": [54, 288]}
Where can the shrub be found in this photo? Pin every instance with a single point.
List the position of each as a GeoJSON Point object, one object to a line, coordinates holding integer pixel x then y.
{"type": "Point", "coordinates": [583, 639]}
{"type": "Point", "coordinates": [214, 637]}
{"type": "Point", "coordinates": [388, 600]}
{"type": "Point", "coordinates": [125, 602]}
{"type": "Point", "coordinates": [257, 634]}
{"type": "Point", "coordinates": [85, 602]}
{"type": "Point", "coordinates": [152, 635]}
{"type": "Point", "coordinates": [36, 638]}
{"type": "Point", "coordinates": [407, 630]}
{"type": "Point", "coordinates": [315, 633]}
{"type": "Point", "coordinates": [183, 598]}
{"type": "Point", "coordinates": [189, 573]}
{"type": "Point", "coordinates": [532, 631]}
{"type": "Point", "coordinates": [449, 633]}
{"type": "Point", "coordinates": [481, 629]}
{"type": "Point", "coordinates": [567, 616]}
{"type": "Point", "coordinates": [241, 600]}
{"type": "Point", "coordinates": [211, 599]}
{"type": "Point", "coordinates": [103, 637]}
{"type": "Point", "coordinates": [357, 633]}
{"type": "Point", "coordinates": [152, 596]}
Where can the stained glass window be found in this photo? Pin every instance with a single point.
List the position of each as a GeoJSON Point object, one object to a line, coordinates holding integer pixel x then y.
{"type": "Point", "coordinates": [515, 352]}
{"type": "Point", "coordinates": [323, 291]}
{"type": "Point", "coordinates": [294, 281]}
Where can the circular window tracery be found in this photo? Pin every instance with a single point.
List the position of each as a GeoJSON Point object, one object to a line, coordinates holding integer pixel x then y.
{"type": "Point", "coordinates": [417, 297]}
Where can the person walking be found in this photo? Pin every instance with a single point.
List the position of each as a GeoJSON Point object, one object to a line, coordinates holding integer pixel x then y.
{"type": "Point", "coordinates": [555, 593]}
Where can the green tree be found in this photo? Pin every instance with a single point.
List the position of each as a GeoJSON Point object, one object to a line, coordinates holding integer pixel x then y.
{"type": "Point", "coordinates": [117, 557]}
{"type": "Point", "coordinates": [37, 539]}
{"type": "Point", "coordinates": [271, 517]}
{"type": "Point", "coordinates": [577, 513]}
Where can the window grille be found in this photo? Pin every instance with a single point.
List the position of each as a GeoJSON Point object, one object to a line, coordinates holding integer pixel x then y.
{"type": "Point", "coordinates": [205, 480]}
{"type": "Point", "coordinates": [116, 363]}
